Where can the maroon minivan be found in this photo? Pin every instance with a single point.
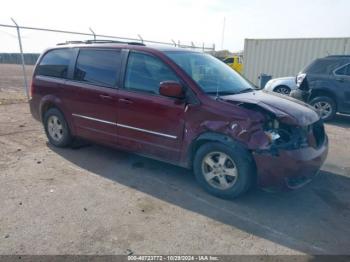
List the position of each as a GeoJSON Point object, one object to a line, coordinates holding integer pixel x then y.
{"type": "Point", "coordinates": [179, 106]}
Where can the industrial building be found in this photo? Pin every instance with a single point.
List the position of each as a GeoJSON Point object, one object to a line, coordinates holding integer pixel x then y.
{"type": "Point", "coordinates": [287, 57]}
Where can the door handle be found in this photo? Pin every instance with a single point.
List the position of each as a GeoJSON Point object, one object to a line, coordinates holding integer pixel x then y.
{"type": "Point", "coordinates": [125, 101]}
{"type": "Point", "coordinates": [105, 97]}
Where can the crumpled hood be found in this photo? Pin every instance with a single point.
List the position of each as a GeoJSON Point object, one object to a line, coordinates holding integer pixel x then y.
{"type": "Point", "coordinates": [285, 108]}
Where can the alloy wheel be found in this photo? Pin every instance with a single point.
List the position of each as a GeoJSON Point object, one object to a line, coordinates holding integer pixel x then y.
{"type": "Point", "coordinates": [282, 90]}
{"type": "Point", "coordinates": [323, 108]}
{"type": "Point", "coordinates": [55, 128]}
{"type": "Point", "coordinates": [219, 170]}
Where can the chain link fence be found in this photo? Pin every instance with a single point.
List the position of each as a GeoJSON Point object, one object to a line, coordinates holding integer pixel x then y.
{"type": "Point", "coordinates": [15, 58]}
{"type": "Point", "coordinates": [22, 44]}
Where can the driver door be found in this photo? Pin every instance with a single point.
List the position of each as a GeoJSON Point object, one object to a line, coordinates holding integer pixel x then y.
{"type": "Point", "coordinates": [149, 123]}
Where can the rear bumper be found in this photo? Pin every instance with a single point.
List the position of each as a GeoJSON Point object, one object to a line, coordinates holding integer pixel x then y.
{"type": "Point", "coordinates": [290, 168]}
{"type": "Point", "coordinates": [33, 106]}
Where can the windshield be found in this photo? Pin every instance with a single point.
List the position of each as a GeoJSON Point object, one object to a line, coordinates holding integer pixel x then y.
{"type": "Point", "coordinates": [210, 74]}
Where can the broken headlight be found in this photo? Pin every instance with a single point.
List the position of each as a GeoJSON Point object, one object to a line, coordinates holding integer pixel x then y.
{"type": "Point", "coordinates": [278, 134]}
{"type": "Point", "coordinates": [271, 130]}
{"type": "Point", "coordinates": [286, 136]}
{"type": "Point", "coordinates": [272, 135]}
{"type": "Point", "coordinates": [300, 78]}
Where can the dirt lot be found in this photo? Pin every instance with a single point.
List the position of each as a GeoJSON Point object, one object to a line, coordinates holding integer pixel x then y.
{"type": "Point", "coordinates": [96, 200]}
{"type": "Point", "coordinates": [11, 83]}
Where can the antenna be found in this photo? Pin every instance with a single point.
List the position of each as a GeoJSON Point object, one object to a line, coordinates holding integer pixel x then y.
{"type": "Point", "coordinates": [217, 93]}
{"type": "Point", "coordinates": [223, 34]}
{"type": "Point", "coordinates": [222, 47]}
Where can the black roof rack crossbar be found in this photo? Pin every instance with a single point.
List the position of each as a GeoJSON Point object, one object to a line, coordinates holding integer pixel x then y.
{"type": "Point", "coordinates": [101, 41]}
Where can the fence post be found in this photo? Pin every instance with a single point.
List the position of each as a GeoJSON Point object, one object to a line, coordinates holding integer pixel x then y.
{"type": "Point", "coordinates": [22, 58]}
{"type": "Point", "coordinates": [139, 36]}
{"type": "Point", "coordinates": [92, 31]}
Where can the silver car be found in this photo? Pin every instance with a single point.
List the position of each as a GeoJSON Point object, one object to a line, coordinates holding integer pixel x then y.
{"type": "Point", "coordinates": [282, 85]}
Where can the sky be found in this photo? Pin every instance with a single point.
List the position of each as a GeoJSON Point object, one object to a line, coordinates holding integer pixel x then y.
{"type": "Point", "coordinates": [189, 21]}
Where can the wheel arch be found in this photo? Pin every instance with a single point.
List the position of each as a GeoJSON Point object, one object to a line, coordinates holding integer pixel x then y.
{"type": "Point", "coordinates": [207, 137]}
{"type": "Point", "coordinates": [323, 92]}
{"type": "Point", "coordinates": [45, 107]}
{"type": "Point", "coordinates": [54, 102]}
{"type": "Point", "coordinates": [246, 162]}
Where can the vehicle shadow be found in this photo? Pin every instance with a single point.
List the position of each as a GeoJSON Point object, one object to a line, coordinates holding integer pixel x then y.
{"type": "Point", "coordinates": [340, 120]}
{"type": "Point", "coordinates": [314, 219]}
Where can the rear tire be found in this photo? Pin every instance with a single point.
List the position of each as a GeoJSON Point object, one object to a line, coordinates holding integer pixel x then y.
{"type": "Point", "coordinates": [325, 107]}
{"type": "Point", "coordinates": [56, 128]}
{"type": "Point", "coordinates": [228, 178]}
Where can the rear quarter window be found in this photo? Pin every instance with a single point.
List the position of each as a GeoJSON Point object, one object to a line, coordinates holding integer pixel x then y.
{"type": "Point", "coordinates": [343, 71]}
{"type": "Point", "coordinates": [55, 63]}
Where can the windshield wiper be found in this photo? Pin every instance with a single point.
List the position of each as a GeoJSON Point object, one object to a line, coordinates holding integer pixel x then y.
{"type": "Point", "coordinates": [246, 90]}
{"type": "Point", "coordinates": [221, 93]}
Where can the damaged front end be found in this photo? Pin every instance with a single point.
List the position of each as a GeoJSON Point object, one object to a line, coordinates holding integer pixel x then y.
{"type": "Point", "coordinates": [288, 137]}
{"type": "Point", "coordinates": [288, 148]}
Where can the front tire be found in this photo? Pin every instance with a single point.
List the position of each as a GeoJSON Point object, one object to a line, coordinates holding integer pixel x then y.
{"type": "Point", "coordinates": [325, 107]}
{"type": "Point", "coordinates": [56, 128]}
{"type": "Point", "coordinates": [224, 171]}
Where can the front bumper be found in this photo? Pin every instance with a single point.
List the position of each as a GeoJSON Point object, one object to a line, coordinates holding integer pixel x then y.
{"type": "Point", "coordinates": [290, 168]}
{"type": "Point", "coordinates": [301, 95]}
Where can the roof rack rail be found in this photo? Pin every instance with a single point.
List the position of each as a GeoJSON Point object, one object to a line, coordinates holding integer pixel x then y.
{"type": "Point", "coordinates": [71, 42]}
{"type": "Point", "coordinates": [101, 41]}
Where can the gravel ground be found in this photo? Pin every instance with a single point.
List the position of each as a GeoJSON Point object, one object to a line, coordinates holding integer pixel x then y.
{"type": "Point", "coordinates": [95, 200]}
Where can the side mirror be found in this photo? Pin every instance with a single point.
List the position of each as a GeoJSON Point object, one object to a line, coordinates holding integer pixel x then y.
{"type": "Point", "coordinates": [171, 89]}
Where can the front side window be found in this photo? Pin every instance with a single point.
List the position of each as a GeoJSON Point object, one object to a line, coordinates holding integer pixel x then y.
{"type": "Point", "coordinates": [98, 67]}
{"type": "Point", "coordinates": [344, 71]}
{"type": "Point", "coordinates": [211, 74]}
{"type": "Point", "coordinates": [145, 73]}
{"type": "Point", "coordinates": [55, 63]}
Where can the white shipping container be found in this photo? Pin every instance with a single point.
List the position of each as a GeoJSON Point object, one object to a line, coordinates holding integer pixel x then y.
{"type": "Point", "coordinates": [287, 57]}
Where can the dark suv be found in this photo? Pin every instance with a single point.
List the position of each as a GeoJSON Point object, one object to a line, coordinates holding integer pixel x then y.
{"type": "Point", "coordinates": [325, 84]}
{"type": "Point", "coordinates": [178, 106]}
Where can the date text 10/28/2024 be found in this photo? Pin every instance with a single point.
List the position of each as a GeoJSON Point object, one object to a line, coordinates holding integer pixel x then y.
{"type": "Point", "coordinates": [172, 258]}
